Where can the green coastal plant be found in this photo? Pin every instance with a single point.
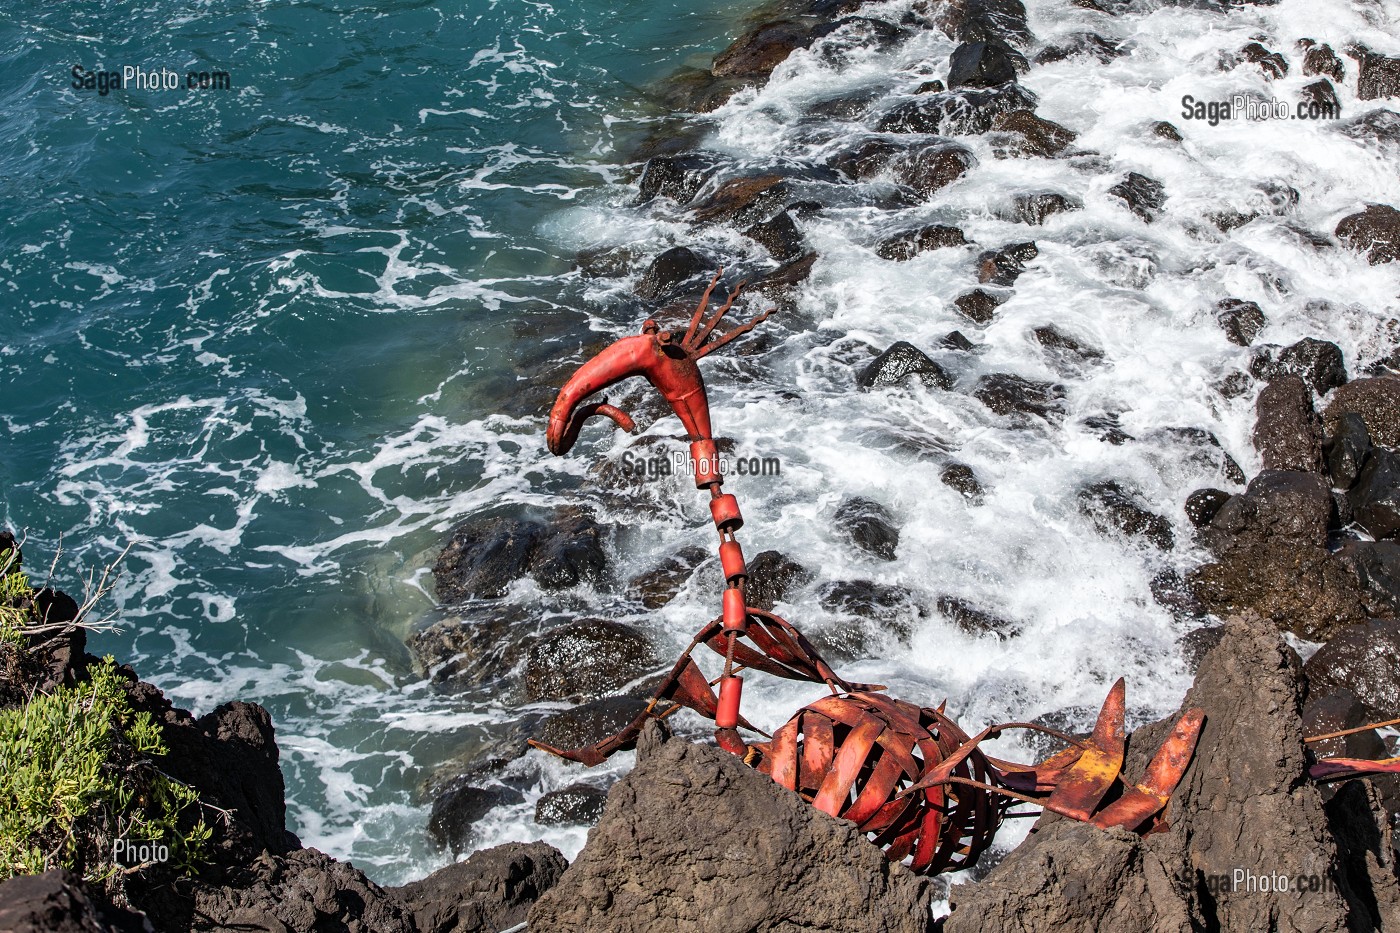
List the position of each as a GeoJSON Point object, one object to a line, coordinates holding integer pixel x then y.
{"type": "Point", "coordinates": [77, 777]}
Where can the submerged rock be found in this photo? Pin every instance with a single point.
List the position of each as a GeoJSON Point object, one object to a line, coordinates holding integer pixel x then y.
{"type": "Point", "coordinates": [586, 658]}
{"type": "Point", "coordinates": [1007, 394]}
{"type": "Point", "coordinates": [660, 858]}
{"type": "Point", "coordinates": [678, 177]}
{"type": "Point", "coordinates": [1374, 231]}
{"type": "Point", "coordinates": [487, 553]}
{"type": "Point", "coordinates": [1036, 136]}
{"type": "Point", "coordinates": [869, 526]}
{"type": "Point", "coordinates": [1144, 196]}
{"type": "Point", "coordinates": [956, 112]}
{"type": "Point", "coordinates": [929, 169]}
{"type": "Point", "coordinates": [1004, 266]}
{"type": "Point", "coordinates": [961, 477]}
{"type": "Point", "coordinates": [907, 245]}
{"type": "Point", "coordinates": [1037, 207]}
{"type": "Point", "coordinates": [678, 265]}
{"type": "Point", "coordinates": [978, 305]}
{"type": "Point", "coordinates": [900, 363]}
{"type": "Point", "coordinates": [773, 576]}
{"type": "Point", "coordinates": [1111, 508]}
{"type": "Point", "coordinates": [1241, 320]}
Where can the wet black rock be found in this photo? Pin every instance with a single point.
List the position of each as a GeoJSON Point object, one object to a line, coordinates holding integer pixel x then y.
{"type": "Point", "coordinates": [1365, 660]}
{"type": "Point", "coordinates": [577, 804]}
{"type": "Point", "coordinates": [1337, 711]}
{"type": "Point", "coordinates": [907, 245]}
{"type": "Point", "coordinates": [1164, 130]}
{"type": "Point", "coordinates": [779, 236]}
{"type": "Point", "coordinates": [1241, 320]}
{"type": "Point", "coordinates": [1036, 207]}
{"type": "Point", "coordinates": [459, 806]}
{"type": "Point", "coordinates": [1272, 64]}
{"type": "Point", "coordinates": [484, 556]}
{"type": "Point", "coordinates": [1378, 76]}
{"type": "Point", "coordinates": [975, 20]}
{"type": "Point", "coordinates": [1080, 44]}
{"type": "Point", "coordinates": [1321, 60]}
{"type": "Point", "coordinates": [894, 607]}
{"type": "Point", "coordinates": [960, 476]}
{"type": "Point", "coordinates": [688, 90]}
{"type": "Point", "coordinates": [1202, 505]}
{"type": "Point", "coordinates": [491, 890]}
{"type": "Point", "coordinates": [1112, 509]}
{"type": "Point", "coordinates": [900, 363]}
{"type": "Point", "coordinates": [1004, 266]}
{"type": "Point", "coordinates": [867, 158]}
{"type": "Point", "coordinates": [658, 586]}
{"type": "Point", "coordinates": [480, 644]}
{"type": "Point", "coordinates": [1036, 136]}
{"type": "Point", "coordinates": [756, 53]}
{"type": "Point", "coordinates": [1144, 196]}
{"type": "Point", "coordinates": [678, 177]}
{"type": "Point", "coordinates": [1347, 450]}
{"type": "Point", "coordinates": [978, 305]}
{"type": "Point", "coordinates": [1197, 643]}
{"type": "Point", "coordinates": [669, 271]}
{"type": "Point", "coordinates": [1321, 96]}
{"type": "Point", "coordinates": [929, 169]}
{"type": "Point", "coordinates": [774, 577]}
{"type": "Point", "coordinates": [1066, 347]}
{"type": "Point", "coordinates": [1318, 362]}
{"type": "Point", "coordinates": [1375, 499]}
{"type": "Point", "coordinates": [957, 340]}
{"type": "Point", "coordinates": [1377, 566]}
{"type": "Point", "coordinates": [1280, 505]}
{"type": "Point", "coordinates": [1376, 400]}
{"type": "Point", "coordinates": [956, 112]}
{"type": "Point", "coordinates": [589, 723]}
{"type": "Point", "coordinates": [869, 526]}
{"type": "Point", "coordinates": [486, 553]}
{"type": "Point", "coordinates": [1108, 428]}
{"type": "Point", "coordinates": [1374, 231]}
{"type": "Point", "coordinates": [1299, 587]}
{"type": "Point", "coordinates": [782, 283]}
{"type": "Point", "coordinates": [974, 621]}
{"type": "Point", "coordinates": [985, 63]}
{"type": "Point", "coordinates": [1286, 428]}
{"type": "Point", "coordinates": [1007, 394]}
{"type": "Point", "coordinates": [746, 200]}
{"type": "Point", "coordinates": [587, 658]}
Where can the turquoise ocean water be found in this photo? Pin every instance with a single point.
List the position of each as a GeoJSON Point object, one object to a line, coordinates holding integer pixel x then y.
{"type": "Point", "coordinates": [243, 329]}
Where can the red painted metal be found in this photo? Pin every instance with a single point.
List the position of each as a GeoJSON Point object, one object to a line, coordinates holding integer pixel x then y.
{"type": "Point", "coordinates": [907, 776]}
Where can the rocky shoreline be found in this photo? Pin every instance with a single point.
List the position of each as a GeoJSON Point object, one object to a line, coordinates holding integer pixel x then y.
{"type": "Point", "coordinates": [693, 840]}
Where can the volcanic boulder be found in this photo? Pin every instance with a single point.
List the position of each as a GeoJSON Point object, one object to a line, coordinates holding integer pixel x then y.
{"type": "Point", "coordinates": [693, 839]}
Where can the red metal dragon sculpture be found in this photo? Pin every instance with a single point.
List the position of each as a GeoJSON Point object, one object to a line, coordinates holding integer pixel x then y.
{"type": "Point", "coordinates": [915, 783]}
